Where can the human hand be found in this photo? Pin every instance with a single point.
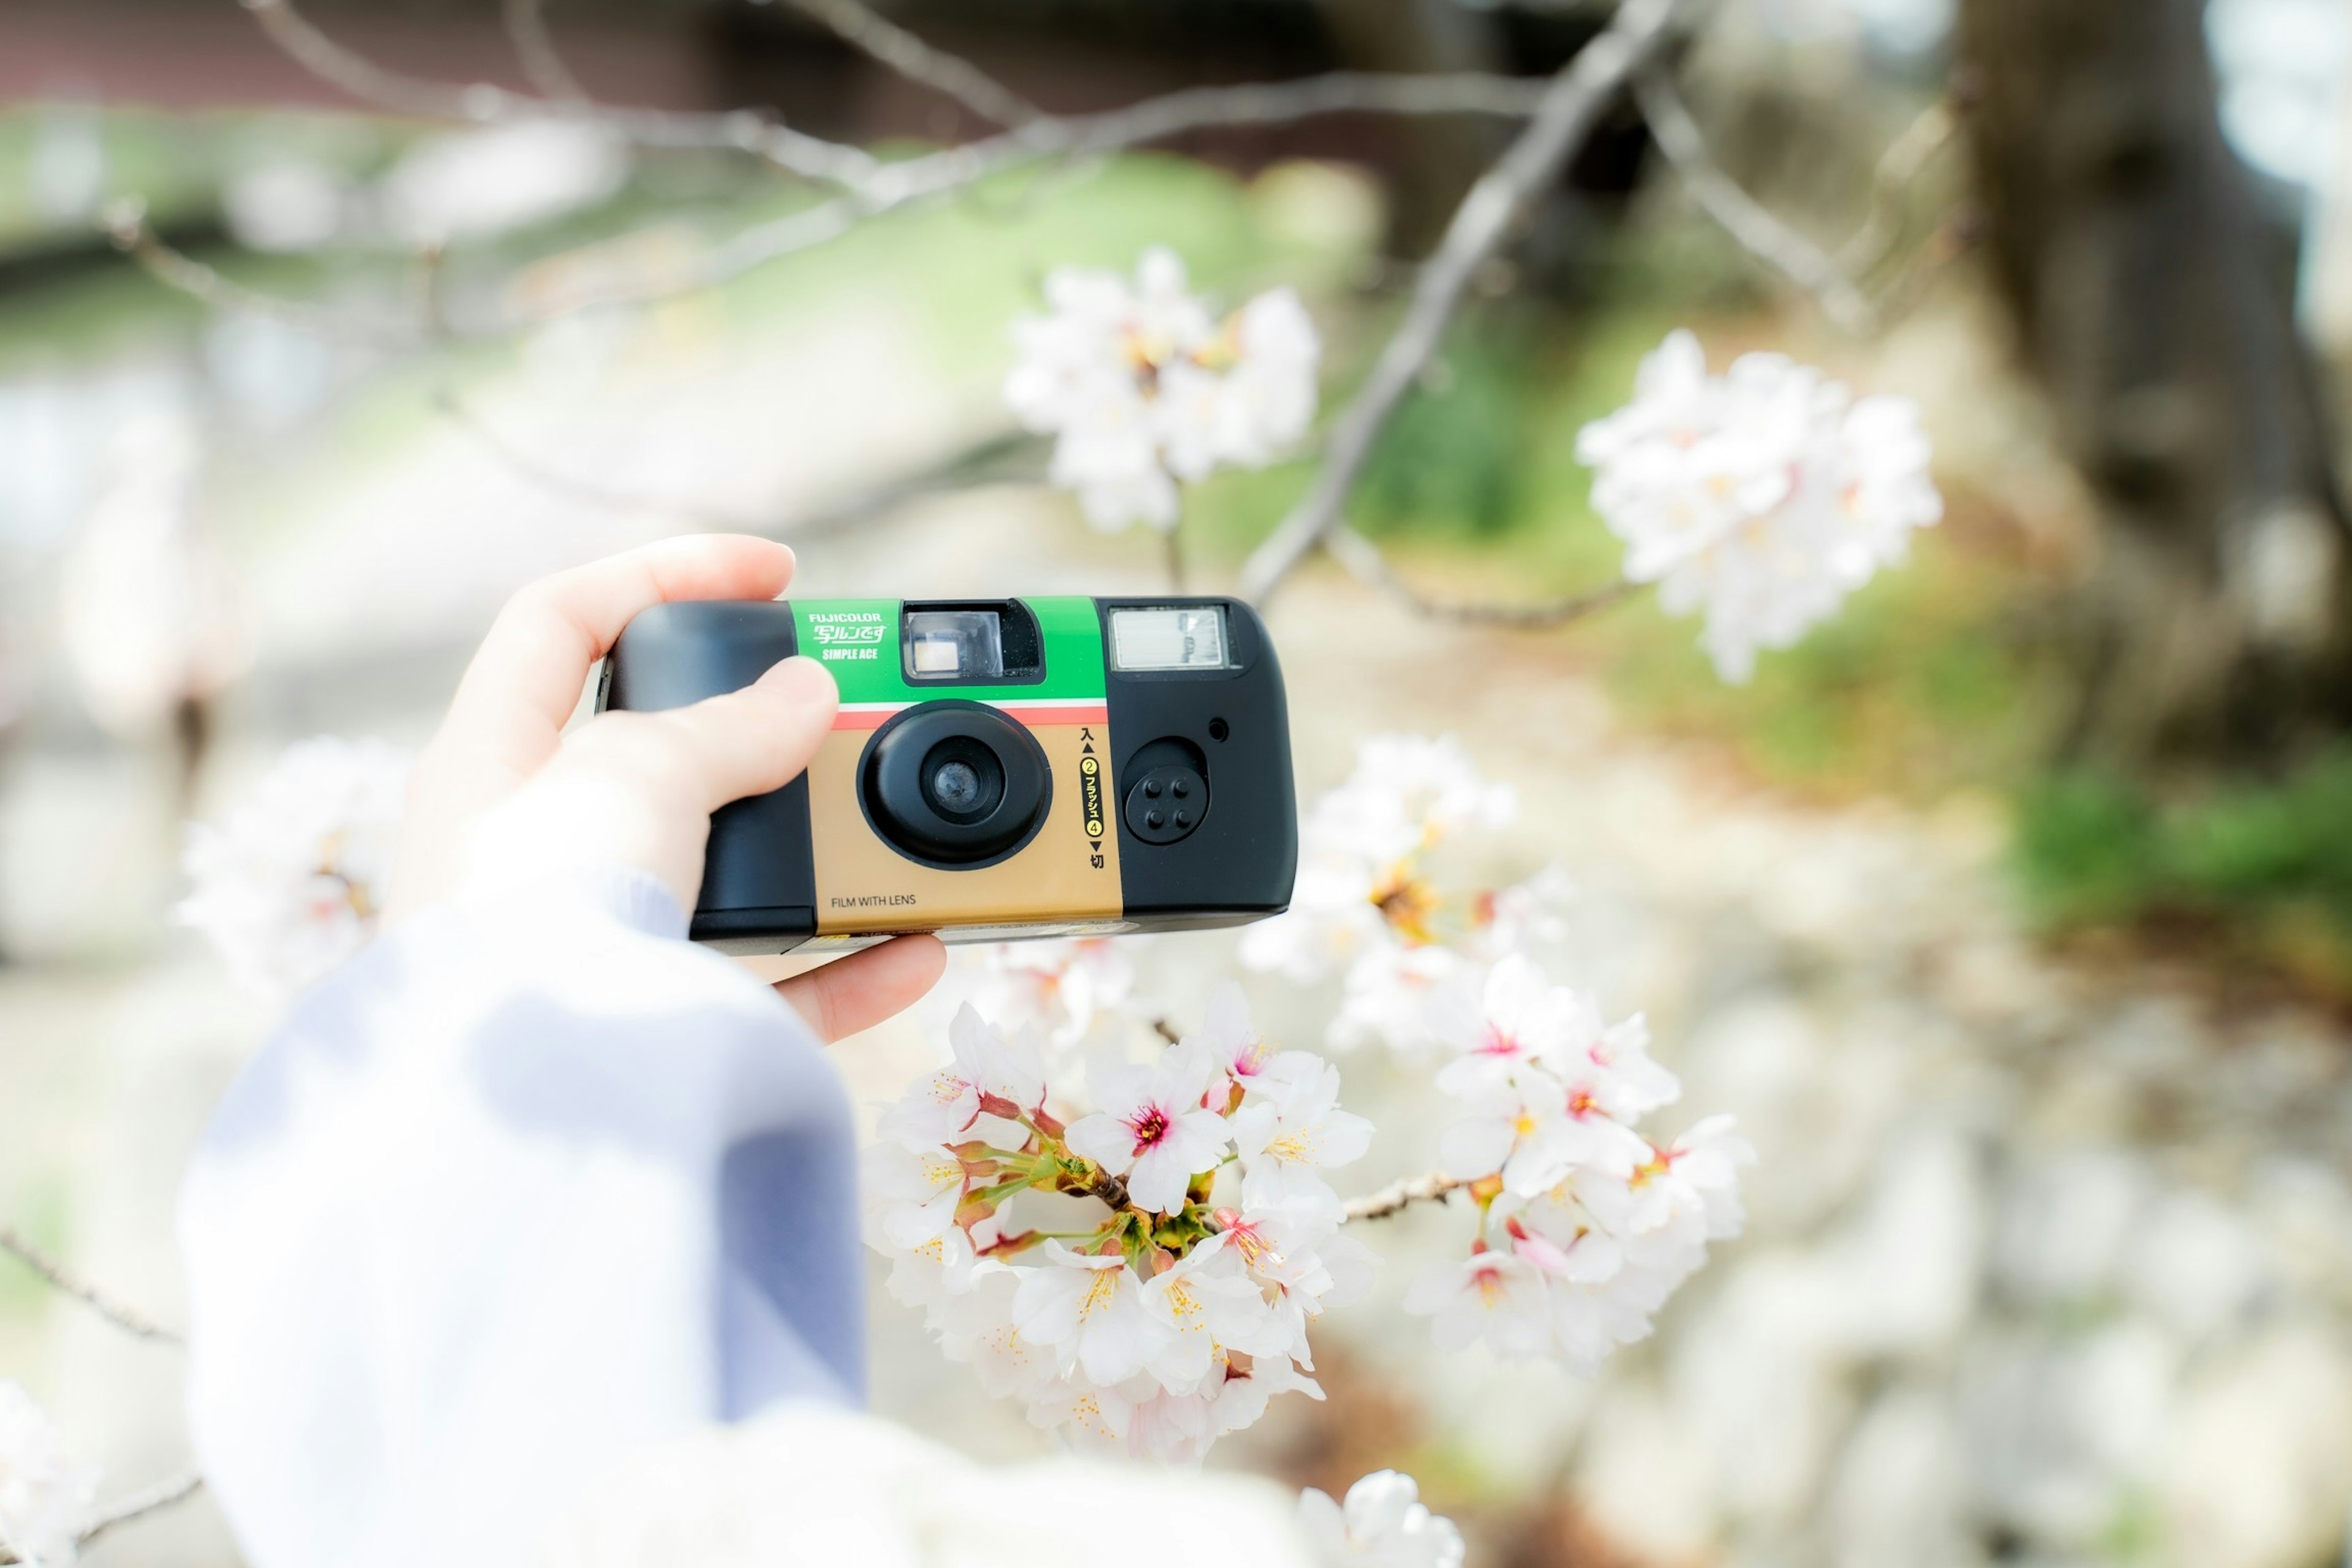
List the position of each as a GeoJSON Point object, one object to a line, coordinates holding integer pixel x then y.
{"type": "Point", "coordinates": [503, 789]}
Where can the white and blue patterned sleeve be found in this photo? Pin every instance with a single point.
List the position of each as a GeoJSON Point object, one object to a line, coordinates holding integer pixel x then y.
{"type": "Point", "coordinates": [529, 1185]}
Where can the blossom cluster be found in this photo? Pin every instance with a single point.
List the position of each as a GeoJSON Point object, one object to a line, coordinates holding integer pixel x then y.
{"type": "Point", "coordinates": [1585, 1226]}
{"type": "Point", "coordinates": [45, 1495]}
{"type": "Point", "coordinates": [292, 880]}
{"type": "Point", "coordinates": [1141, 385]}
{"type": "Point", "coordinates": [1759, 499]}
{"type": "Point", "coordinates": [1072, 995]}
{"type": "Point", "coordinates": [1366, 907]}
{"type": "Point", "coordinates": [1383, 1523]}
{"type": "Point", "coordinates": [1140, 1275]}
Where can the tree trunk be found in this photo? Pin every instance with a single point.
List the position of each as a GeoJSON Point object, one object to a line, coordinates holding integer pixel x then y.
{"type": "Point", "coordinates": [2217, 625]}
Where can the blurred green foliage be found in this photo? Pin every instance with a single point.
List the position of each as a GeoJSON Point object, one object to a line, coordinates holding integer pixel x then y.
{"type": "Point", "coordinates": [2262, 872]}
{"type": "Point", "coordinates": [1458, 460]}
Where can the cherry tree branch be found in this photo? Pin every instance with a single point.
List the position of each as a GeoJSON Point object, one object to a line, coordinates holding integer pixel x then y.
{"type": "Point", "coordinates": [1573, 101]}
{"type": "Point", "coordinates": [1362, 558]}
{"type": "Point", "coordinates": [1399, 1195]}
{"type": "Point", "coordinates": [948, 74]}
{"type": "Point", "coordinates": [126, 226]}
{"type": "Point", "coordinates": [1752, 225]}
{"type": "Point", "coordinates": [976, 462]}
{"type": "Point", "coordinates": [484, 103]}
{"type": "Point", "coordinates": [543, 64]}
{"type": "Point", "coordinates": [870, 189]}
{"type": "Point", "coordinates": [129, 1320]}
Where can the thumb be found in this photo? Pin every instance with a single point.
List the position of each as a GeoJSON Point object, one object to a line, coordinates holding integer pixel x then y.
{"type": "Point", "coordinates": [748, 742]}
{"type": "Point", "coordinates": [638, 788]}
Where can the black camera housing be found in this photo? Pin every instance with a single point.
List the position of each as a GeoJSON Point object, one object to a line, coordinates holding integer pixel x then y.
{"type": "Point", "coordinates": [1002, 769]}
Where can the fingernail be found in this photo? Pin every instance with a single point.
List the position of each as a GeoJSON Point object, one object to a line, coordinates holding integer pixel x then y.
{"type": "Point", "coordinates": [802, 678]}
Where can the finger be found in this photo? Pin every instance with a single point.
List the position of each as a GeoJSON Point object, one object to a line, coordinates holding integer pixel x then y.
{"type": "Point", "coordinates": [526, 679]}
{"type": "Point", "coordinates": [862, 990]}
{"type": "Point", "coordinates": [637, 789]}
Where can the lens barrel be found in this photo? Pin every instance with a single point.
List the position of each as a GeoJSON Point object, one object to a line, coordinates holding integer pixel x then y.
{"type": "Point", "coordinates": [954, 783]}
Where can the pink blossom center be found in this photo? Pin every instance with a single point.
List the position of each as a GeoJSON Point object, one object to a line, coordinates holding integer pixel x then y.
{"type": "Point", "coordinates": [1499, 1042]}
{"type": "Point", "coordinates": [1149, 1125]}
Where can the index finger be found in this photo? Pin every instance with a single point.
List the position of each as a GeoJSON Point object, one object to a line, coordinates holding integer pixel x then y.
{"type": "Point", "coordinates": [526, 679]}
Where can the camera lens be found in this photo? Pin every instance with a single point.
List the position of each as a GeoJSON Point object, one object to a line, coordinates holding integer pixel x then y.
{"type": "Point", "coordinates": [963, 779]}
{"type": "Point", "coordinates": [954, 783]}
{"type": "Point", "coordinates": [955, 787]}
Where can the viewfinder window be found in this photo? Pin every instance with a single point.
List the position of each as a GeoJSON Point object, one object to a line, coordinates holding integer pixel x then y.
{"type": "Point", "coordinates": [1188, 638]}
{"type": "Point", "coordinates": [950, 645]}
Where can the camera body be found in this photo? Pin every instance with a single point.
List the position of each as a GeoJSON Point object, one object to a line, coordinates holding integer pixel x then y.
{"type": "Point", "coordinates": [999, 769]}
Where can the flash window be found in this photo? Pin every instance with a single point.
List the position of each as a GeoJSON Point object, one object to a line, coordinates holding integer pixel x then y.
{"type": "Point", "coordinates": [951, 645]}
{"type": "Point", "coordinates": [1188, 638]}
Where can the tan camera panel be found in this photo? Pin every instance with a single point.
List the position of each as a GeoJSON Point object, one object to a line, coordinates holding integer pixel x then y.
{"type": "Point", "coordinates": [1062, 874]}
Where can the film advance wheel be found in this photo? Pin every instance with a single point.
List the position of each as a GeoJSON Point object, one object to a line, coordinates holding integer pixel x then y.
{"type": "Point", "coordinates": [955, 784]}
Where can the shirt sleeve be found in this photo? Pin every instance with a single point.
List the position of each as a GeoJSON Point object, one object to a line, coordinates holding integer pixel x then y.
{"type": "Point", "coordinates": [532, 1182]}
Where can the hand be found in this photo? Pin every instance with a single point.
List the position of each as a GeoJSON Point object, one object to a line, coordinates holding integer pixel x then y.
{"type": "Point", "coordinates": [503, 790]}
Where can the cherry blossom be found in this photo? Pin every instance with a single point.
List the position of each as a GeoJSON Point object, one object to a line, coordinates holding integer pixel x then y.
{"type": "Point", "coordinates": [1366, 907]}
{"type": "Point", "coordinates": [976, 1326]}
{"type": "Point", "coordinates": [990, 1073]}
{"type": "Point", "coordinates": [1237, 1050]}
{"type": "Point", "coordinates": [1585, 1226]}
{"type": "Point", "coordinates": [1240, 1388]}
{"type": "Point", "coordinates": [1155, 1133]}
{"type": "Point", "coordinates": [1142, 386]}
{"type": "Point", "coordinates": [1087, 1266]}
{"type": "Point", "coordinates": [1760, 499]}
{"type": "Point", "coordinates": [1383, 1524]}
{"type": "Point", "coordinates": [1208, 1304]}
{"type": "Point", "coordinates": [292, 880]}
{"type": "Point", "coordinates": [1063, 992]}
{"type": "Point", "coordinates": [45, 1495]}
{"type": "Point", "coordinates": [1090, 1310]}
{"type": "Point", "coordinates": [1287, 1139]}
{"type": "Point", "coordinates": [911, 1194]}
{"type": "Point", "coordinates": [1496, 1296]}
{"type": "Point", "coordinates": [1517, 1021]}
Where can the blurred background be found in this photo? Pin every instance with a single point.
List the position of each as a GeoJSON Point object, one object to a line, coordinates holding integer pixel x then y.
{"type": "Point", "coordinates": [2010, 913]}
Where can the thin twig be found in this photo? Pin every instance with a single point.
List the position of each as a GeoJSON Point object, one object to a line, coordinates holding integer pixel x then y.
{"type": "Point", "coordinates": [1173, 554]}
{"type": "Point", "coordinates": [1361, 557]}
{"type": "Point", "coordinates": [1908, 157]}
{"type": "Point", "coordinates": [1740, 216]}
{"type": "Point", "coordinates": [126, 224]}
{"type": "Point", "coordinates": [129, 1320]}
{"type": "Point", "coordinates": [132, 1506]}
{"type": "Point", "coordinates": [1398, 1195]}
{"type": "Point", "coordinates": [586, 492]}
{"type": "Point", "coordinates": [135, 1505]}
{"type": "Point", "coordinates": [484, 103]}
{"type": "Point", "coordinates": [918, 61]}
{"type": "Point", "coordinates": [971, 464]}
{"type": "Point", "coordinates": [543, 64]}
{"type": "Point", "coordinates": [1572, 103]}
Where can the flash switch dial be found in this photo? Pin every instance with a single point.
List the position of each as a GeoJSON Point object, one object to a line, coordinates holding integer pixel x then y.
{"type": "Point", "coordinates": [1150, 797]}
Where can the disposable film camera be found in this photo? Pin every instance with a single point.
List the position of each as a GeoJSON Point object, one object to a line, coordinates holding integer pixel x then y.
{"type": "Point", "coordinates": [1051, 766]}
